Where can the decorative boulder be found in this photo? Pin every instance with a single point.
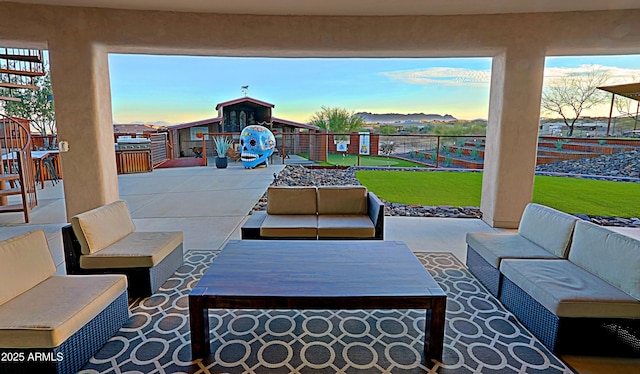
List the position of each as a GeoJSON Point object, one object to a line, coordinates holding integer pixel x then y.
{"type": "Point", "coordinates": [257, 143]}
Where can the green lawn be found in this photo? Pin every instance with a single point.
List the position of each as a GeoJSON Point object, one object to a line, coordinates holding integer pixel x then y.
{"type": "Point", "coordinates": [571, 195]}
{"type": "Point", "coordinates": [351, 160]}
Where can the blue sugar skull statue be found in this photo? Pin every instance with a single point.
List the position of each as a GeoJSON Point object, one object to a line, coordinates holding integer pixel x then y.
{"type": "Point", "coordinates": [256, 145]}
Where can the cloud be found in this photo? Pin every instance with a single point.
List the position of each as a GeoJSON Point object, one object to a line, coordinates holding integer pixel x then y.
{"type": "Point", "coordinates": [470, 77]}
{"type": "Point", "coordinates": [615, 75]}
{"type": "Point", "coordinates": [443, 76]}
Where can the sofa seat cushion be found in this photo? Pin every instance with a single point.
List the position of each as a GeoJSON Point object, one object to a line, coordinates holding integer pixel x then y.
{"type": "Point", "coordinates": [494, 247]}
{"type": "Point", "coordinates": [291, 200]}
{"type": "Point", "coordinates": [345, 226]}
{"type": "Point", "coordinates": [567, 290]}
{"type": "Point", "coordinates": [48, 314]}
{"type": "Point", "coordinates": [25, 261]}
{"type": "Point", "coordinates": [342, 200]}
{"type": "Point", "coordinates": [138, 249]}
{"type": "Point", "coordinates": [290, 225]}
{"type": "Point", "coordinates": [98, 228]}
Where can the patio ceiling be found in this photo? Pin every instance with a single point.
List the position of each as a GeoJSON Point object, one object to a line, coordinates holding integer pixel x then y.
{"type": "Point", "coordinates": [351, 7]}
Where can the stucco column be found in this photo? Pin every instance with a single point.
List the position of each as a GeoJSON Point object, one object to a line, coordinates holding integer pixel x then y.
{"type": "Point", "coordinates": [82, 98]}
{"type": "Point", "coordinates": [512, 134]}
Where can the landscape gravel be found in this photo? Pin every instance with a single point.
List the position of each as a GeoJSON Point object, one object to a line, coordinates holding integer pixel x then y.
{"type": "Point", "coordinates": [617, 167]}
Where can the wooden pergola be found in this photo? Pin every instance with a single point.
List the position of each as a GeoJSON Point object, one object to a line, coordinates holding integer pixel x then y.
{"type": "Point", "coordinates": [629, 90]}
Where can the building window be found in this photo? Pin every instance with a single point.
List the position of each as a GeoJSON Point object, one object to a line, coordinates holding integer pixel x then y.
{"type": "Point", "coordinates": [234, 122]}
{"type": "Point", "coordinates": [243, 119]}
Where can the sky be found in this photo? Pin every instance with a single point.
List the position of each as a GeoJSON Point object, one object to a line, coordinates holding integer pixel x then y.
{"type": "Point", "coordinates": [179, 89]}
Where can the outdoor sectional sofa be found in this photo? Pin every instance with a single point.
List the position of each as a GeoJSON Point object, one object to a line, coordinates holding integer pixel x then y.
{"type": "Point", "coordinates": [104, 240]}
{"type": "Point", "coordinates": [324, 212]}
{"type": "Point", "coordinates": [48, 322]}
{"type": "Point", "coordinates": [543, 233]}
{"type": "Point", "coordinates": [582, 300]}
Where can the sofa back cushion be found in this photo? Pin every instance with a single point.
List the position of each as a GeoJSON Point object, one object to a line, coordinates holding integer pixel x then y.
{"type": "Point", "coordinates": [98, 228]}
{"type": "Point", "coordinates": [342, 200]}
{"type": "Point", "coordinates": [291, 200]}
{"type": "Point", "coordinates": [25, 261]}
{"type": "Point", "coordinates": [548, 228]}
{"type": "Point", "coordinates": [609, 255]}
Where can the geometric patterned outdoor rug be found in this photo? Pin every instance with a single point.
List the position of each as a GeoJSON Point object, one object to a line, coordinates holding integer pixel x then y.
{"type": "Point", "coordinates": [480, 335]}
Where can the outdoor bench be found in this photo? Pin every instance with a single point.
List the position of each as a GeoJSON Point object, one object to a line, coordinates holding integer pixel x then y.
{"type": "Point", "coordinates": [48, 322]}
{"type": "Point", "coordinates": [324, 212]}
{"type": "Point", "coordinates": [105, 240]}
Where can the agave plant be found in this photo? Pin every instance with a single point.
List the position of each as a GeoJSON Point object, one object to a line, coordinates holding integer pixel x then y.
{"type": "Point", "coordinates": [223, 144]}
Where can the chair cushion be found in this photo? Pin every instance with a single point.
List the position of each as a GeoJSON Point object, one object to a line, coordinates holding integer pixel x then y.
{"type": "Point", "coordinates": [138, 249]}
{"type": "Point", "coordinates": [549, 228]}
{"type": "Point", "coordinates": [611, 256]}
{"type": "Point", "coordinates": [567, 290]}
{"type": "Point", "coordinates": [342, 200]}
{"type": "Point", "coordinates": [25, 261]}
{"type": "Point", "coordinates": [46, 315]}
{"type": "Point", "coordinates": [345, 226]}
{"type": "Point", "coordinates": [291, 200]}
{"type": "Point", "coordinates": [290, 226]}
{"type": "Point", "coordinates": [98, 228]}
{"type": "Point", "coordinates": [494, 247]}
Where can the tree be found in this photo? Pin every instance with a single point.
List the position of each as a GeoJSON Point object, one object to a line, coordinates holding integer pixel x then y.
{"type": "Point", "coordinates": [337, 120]}
{"type": "Point", "coordinates": [569, 95]}
{"type": "Point", "coordinates": [36, 105]}
{"type": "Point", "coordinates": [412, 129]}
{"type": "Point", "coordinates": [388, 130]}
{"type": "Point", "coordinates": [628, 108]}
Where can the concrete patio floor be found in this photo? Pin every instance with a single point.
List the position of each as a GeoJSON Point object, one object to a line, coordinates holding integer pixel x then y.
{"type": "Point", "coordinates": [209, 205]}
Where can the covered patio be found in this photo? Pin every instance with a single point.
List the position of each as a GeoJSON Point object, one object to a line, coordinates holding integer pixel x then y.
{"type": "Point", "coordinates": [518, 36]}
{"type": "Point", "coordinates": [157, 204]}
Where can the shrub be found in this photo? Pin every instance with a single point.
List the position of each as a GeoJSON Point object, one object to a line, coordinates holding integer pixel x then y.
{"type": "Point", "coordinates": [559, 144]}
{"type": "Point", "coordinates": [222, 144]}
{"type": "Point", "coordinates": [474, 154]}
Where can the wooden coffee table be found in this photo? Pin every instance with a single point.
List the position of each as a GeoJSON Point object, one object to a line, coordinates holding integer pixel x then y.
{"type": "Point", "coordinates": [317, 274]}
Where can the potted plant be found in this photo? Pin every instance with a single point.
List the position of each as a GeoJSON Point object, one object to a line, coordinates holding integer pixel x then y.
{"type": "Point", "coordinates": [223, 144]}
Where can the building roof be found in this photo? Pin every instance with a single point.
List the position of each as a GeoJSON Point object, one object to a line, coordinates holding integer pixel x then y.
{"type": "Point", "coordinates": [253, 101]}
{"type": "Point", "coordinates": [201, 122]}
{"type": "Point", "coordinates": [294, 124]}
{"type": "Point", "coordinates": [630, 90]}
{"type": "Point", "coordinates": [244, 99]}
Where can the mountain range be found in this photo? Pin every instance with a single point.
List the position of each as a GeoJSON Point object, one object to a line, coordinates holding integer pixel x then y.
{"type": "Point", "coordinates": [398, 117]}
{"type": "Point", "coordinates": [157, 123]}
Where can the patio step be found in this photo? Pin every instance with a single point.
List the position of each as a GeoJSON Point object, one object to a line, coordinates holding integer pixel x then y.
{"type": "Point", "coordinates": [12, 208]}
{"type": "Point", "coordinates": [9, 177]}
{"type": "Point", "coordinates": [11, 191]}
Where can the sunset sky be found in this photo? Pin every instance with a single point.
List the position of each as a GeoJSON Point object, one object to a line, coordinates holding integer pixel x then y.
{"type": "Point", "coordinates": [178, 89]}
